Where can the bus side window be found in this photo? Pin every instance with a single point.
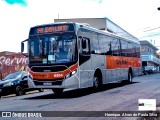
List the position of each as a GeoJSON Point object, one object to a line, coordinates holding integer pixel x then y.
{"type": "Point", "coordinates": [124, 48]}
{"type": "Point", "coordinates": [130, 49]}
{"type": "Point", "coordinates": [115, 47]}
{"type": "Point", "coordinates": [109, 52]}
{"type": "Point", "coordinates": [85, 45]}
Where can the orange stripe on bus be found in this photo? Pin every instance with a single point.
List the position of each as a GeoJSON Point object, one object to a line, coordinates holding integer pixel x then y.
{"type": "Point", "coordinates": [113, 62]}
{"type": "Point", "coordinates": [52, 75]}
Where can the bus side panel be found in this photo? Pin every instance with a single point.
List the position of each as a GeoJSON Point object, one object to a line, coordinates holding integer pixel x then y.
{"type": "Point", "coordinates": [71, 82]}
{"type": "Point", "coordinates": [98, 62]}
{"type": "Point", "coordinates": [137, 71]}
{"type": "Point", "coordinates": [113, 75]}
{"type": "Point", "coordinates": [122, 73]}
{"type": "Point", "coordinates": [110, 75]}
{"type": "Point", "coordinates": [85, 71]}
{"type": "Point", "coordinates": [137, 67]}
{"type": "Point", "coordinates": [113, 71]}
{"type": "Point", "coordinates": [86, 74]}
{"type": "Point", "coordinates": [119, 67]}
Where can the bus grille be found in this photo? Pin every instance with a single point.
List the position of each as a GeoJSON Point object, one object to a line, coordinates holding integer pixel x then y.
{"type": "Point", "coordinates": [50, 68]}
{"type": "Point", "coordinates": [58, 82]}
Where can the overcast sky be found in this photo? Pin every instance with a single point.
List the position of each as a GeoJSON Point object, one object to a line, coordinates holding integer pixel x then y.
{"type": "Point", "coordinates": [139, 17]}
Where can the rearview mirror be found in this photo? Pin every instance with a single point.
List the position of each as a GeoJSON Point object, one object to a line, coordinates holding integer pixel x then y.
{"type": "Point", "coordinates": [22, 47]}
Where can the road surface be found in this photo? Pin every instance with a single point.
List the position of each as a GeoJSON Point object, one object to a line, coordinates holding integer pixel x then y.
{"type": "Point", "coordinates": [113, 97]}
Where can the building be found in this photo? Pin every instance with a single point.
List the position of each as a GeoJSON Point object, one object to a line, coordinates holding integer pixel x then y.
{"type": "Point", "coordinates": [158, 55]}
{"type": "Point", "coordinates": [11, 62]}
{"type": "Point", "coordinates": [149, 54]}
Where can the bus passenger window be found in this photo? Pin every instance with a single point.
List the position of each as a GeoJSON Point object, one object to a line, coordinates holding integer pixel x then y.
{"type": "Point", "coordinates": [115, 47]}
{"type": "Point", "coordinates": [109, 52]}
{"type": "Point", "coordinates": [85, 45]}
{"type": "Point", "coordinates": [124, 48]}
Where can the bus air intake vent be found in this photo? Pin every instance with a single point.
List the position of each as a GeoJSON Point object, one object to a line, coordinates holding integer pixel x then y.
{"type": "Point", "coordinates": [57, 82]}
{"type": "Point", "coordinates": [48, 68]}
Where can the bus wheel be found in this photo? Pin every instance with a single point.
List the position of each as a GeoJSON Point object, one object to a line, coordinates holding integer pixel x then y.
{"type": "Point", "coordinates": [96, 83]}
{"type": "Point", "coordinates": [129, 77]}
{"type": "Point", "coordinates": [57, 91]}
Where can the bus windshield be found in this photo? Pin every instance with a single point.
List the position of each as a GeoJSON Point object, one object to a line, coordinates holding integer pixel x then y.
{"type": "Point", "coordinates": [52, 48]}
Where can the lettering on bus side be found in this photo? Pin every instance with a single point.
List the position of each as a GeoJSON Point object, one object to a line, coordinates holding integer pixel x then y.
{"type": "Point", "coordinates": [39, 75]}
{"type": "Point", "coordinates": [121, 62]}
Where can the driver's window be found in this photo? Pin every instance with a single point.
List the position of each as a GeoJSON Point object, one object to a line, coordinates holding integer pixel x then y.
{"type": "Point", "coordinates": [84, 45]}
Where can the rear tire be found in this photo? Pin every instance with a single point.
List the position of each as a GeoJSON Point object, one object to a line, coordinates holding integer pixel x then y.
{"type": "Point", "coordinates": [129, 77]}
{"type": "Point", "coordinates": [96, 84]}
{"type": "Point", "coordinates": [57, 91]}
{"type": "Point", "coordinates": [19, 91]}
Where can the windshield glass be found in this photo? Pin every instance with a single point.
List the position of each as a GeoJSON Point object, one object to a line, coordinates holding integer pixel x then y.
{"type": "Point", "coordinates": [12, 76]}
{"type": "Point", "coordinates": [52, 48]}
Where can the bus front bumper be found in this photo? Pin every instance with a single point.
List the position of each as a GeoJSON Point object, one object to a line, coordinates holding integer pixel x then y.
{"type": "Point", "coordinates": [71, 82]}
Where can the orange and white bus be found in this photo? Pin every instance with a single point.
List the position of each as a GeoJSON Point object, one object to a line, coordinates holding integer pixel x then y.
{"type": "Point", "coordinates": [72, 55]}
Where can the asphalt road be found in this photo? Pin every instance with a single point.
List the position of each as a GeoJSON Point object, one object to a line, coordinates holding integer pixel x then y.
{"type": "Point", "coordinates": [113, 97]}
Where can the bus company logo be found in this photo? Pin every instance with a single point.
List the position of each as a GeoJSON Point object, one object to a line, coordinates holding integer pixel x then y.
{"type": "Point", "coordinates": [40, 75]}
{"type": "Point", "coordinates": [121, 62]}
{"type": "Point", "coordinates": [58, 75]}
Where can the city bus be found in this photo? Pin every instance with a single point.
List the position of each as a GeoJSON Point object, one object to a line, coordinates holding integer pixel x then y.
{"type": "Point", "coordinates": [73, 56]}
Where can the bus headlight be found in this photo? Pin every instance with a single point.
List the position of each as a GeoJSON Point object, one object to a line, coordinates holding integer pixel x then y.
{"type": "Point", "coordinates": [74, 72]}
{"type": "Point", "coordinates": [71, 73]}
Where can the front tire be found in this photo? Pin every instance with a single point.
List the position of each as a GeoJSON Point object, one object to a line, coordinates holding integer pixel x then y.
{"type": "Point", "coordinates": [19, 91]}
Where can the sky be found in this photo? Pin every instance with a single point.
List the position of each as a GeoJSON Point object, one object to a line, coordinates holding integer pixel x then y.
{"type": "Point", "coordinates": [139, 17]}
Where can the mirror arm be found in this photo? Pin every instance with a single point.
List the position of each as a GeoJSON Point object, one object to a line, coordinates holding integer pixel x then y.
{"type": "Point", "coordinates": [21, 50]}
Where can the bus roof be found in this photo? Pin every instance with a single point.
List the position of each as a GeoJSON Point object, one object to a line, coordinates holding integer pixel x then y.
{"type": "Point", "coordinates": [107, 33]}
{"type": "Point", "coordinates": [87, 26]}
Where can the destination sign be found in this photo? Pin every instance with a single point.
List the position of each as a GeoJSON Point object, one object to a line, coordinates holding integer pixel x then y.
{"type": "Point", "coordinates": [52, 28]}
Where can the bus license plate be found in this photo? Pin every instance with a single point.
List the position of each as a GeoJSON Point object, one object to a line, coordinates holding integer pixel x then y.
{"type": "Point", "coordinates": [47, 83]}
